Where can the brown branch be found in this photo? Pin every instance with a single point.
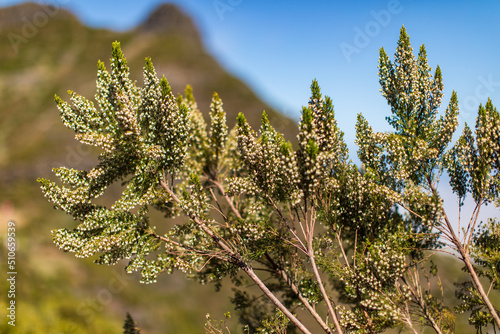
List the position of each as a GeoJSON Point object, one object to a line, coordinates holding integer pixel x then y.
{"type": "Point", "coordinates": [480, 289]}
{"type": "Point", "coordinates": [328, 302]}
{"type": "Point", "coordinates": [419, 300]}
{"type": "Point", "coordinates": [228, 198]}
{"type": "Point", "coordinates": [236, 257]}
{"type": "Point", "coordinates": [317, 275]}
{"type": "Point", "coordinates": [296, 290]}
{"type": "Point", "coordinates": [410, 210]}
{"type": "Point", "coordinates": [275, 300]}
{"type": "Point", "coordinates": [444, 231]}
{"type": "Point", "coordinates": [470, 220]}
{"type": "Point", "coordinates": [465, 257]}
{"type": "Point", "coordinates": [303, 247]}
{"type": "Point", "coordinates": [471, 234]}
{"type": "Point", "coordinates": [337, 234]}
{"type": "Point", "coordinates": [218, 209]}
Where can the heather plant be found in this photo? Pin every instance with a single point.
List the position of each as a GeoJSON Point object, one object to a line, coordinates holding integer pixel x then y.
{"type": "Point", "coordinates": [310, 241]}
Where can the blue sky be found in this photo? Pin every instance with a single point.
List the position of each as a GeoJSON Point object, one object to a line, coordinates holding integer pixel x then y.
{"type": "Point", "coordinates": [278, 47]}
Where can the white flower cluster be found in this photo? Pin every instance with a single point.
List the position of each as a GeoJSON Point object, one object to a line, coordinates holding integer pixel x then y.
{"type": "Point", "coordinates": [142, 132]}
{"type": "Point", "coordinates": [249, 233]}
{"type": "Point", "coordinates": [241, 185]}
{"type": "Point", "coordinates": [270, 161]}
{"type": "Point", "coordinates": [474, 162]}
{"type": "Point", "coordinates": [357, 203]}
{"type": "Point", "coordinates": [218, 132]}
{"type": "Point", "coordinates": [418, 144]}
{"type": "Point", "coordinates": [194, 200]}
{"type": "Point", "coordinates": [322, 150]}
{"type": "Point", "coordinates": [374, 282]}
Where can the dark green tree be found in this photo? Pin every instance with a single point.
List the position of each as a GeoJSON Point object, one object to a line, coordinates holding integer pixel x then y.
{"type": "Point", "coordinates": [130, 326]}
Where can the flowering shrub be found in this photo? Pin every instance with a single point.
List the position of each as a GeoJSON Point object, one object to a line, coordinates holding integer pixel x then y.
{"type": "Point", "coordinates": [304, 224]}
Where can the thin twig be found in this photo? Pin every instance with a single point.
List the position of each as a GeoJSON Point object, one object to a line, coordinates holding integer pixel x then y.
{"type": "Point", "coordinates": [283, 219]}
{"type": "Point", "coordinates": [471, 234]}
{"type": "Point", "coordinates": [317, 276]}
{"type": "Point", "coordinates": [241, 263]}
{"type": "Point", "coordinates": [219, 209]}
{"type": "Point", "coordinates": [229, 199]}
{"type": "Point", "coordinates": [296, 290]}
{"type": "Point", "coordinates": [337, 234]}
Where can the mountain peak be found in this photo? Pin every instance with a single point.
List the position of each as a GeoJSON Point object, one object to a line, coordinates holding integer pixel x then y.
{"type": "Point", "coordinates": [169, 19]}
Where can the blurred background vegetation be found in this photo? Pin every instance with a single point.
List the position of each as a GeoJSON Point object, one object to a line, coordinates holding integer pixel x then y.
{"type": "Point", "coordinates": [56, 293]}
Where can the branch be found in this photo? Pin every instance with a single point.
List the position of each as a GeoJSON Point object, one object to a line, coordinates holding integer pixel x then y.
{"type": "Point", "coordinates": [453, 238]}
{"type": "Point", "coordinates": [478, 207]}
{"type": "Point", "coordinates": [302, 246]}
{"type": "Point", "coordinates": [464, 253]}
{"type": "Point", "coordinates": [275, 300]}
{"type": "Point", "coordinates": [444, 231]}
{"type": "Point", "coordinates": [296, 290]}
{"type": "Point", "coordinates": [229, 199]}
{"type": "Point", "coordinates": [410, 210]}
{"type": "Point", "coordinates": [204, 227]}
{"type": "Point", "coordinates": [241, 263]}
{"type": "Point", "coordinates": [479, 287]}
{"type": "Point", "coordinates": [191, 249]}
{"type": "Point", "coordinates": [337, 234]}
{"type": "Point", "coordinates": [328, 302]}
{"type": "Point", "coordinates": [418, 298]}
{"type": "Point", "coordinates": [218, 209]}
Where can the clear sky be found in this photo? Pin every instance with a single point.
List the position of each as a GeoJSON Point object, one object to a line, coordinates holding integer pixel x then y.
{"type": "Point", "coordinates": [279, 46]}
